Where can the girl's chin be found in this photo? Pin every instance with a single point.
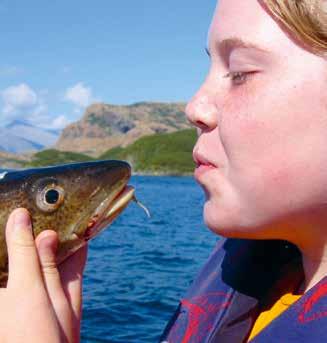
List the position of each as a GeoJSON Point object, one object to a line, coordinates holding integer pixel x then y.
{"type": "Point", "coordinates": [218, 213]}
{"type": "Point", "coordinates": [229, 232]}
{"type": "Point", "coordinates": [225, 223]}
{"type": "Point", "coordinates": [233, 227]}
{"type": "Point", "coordinates": [217, 222]}
{"type": "Point", "coordinates": [223, 231]}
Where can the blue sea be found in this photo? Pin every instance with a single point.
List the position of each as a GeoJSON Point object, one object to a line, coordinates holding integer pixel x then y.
{"type": "Point", "coordinates": [139, 268]}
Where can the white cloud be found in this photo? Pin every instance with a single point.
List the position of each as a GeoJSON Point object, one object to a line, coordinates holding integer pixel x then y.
{"type": "Point", "coordinates": [23, 102]}
{"type": "Point", "coordinates": [60, 122]}
{"type": "Point", "coordinates": [18, 98]}
{"type": "Point", "coordinates": [39, 114]}
{"type": "Point", "coordinates": [32, 105]}
{"type": "Point", "coordinates": [79, 95]}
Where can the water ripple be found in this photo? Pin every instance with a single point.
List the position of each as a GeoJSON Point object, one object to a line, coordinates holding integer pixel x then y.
{"type": "Point", "coordinates": [139, 268]}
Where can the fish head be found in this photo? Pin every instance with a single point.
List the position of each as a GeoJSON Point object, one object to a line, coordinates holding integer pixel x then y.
{"type": "Point", "coordinates": [76, 200]}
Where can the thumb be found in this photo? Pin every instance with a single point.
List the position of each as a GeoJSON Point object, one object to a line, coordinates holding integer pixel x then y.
{"type": "Point", "coordinates": [24, 268]}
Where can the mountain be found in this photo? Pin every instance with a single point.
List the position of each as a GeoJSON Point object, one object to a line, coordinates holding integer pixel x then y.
{"type": "Point", "coordinates": [21, 136]}
{"type": "Point", "coordinates": [13, 161]}
{"type": "Point", "coordinates": [51, 157]}
{"type": "Point", "coordinates": [42, 136]}
{"type": "Point", "coordinates": [160, 154]}
{"type": "Point", "coordinates": [105, 126]}
{"type": "Point", "coordinates": [164, 153]}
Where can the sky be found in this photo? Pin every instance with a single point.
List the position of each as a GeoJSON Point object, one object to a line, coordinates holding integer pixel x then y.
{"type": "Point", "coordinates": [59, 56]}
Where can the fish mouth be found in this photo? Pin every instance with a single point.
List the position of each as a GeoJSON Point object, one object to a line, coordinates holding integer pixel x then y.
{"type": "Point", "coordinates": [107, 211]}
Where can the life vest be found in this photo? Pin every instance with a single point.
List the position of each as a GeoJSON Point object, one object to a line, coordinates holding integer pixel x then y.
{"type": "Point", "coordinates": [240, 279]}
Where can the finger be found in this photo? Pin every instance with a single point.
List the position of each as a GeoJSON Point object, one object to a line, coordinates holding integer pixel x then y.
{"type": "Point", "coordinates": [24, 268]}
{"type": "Point", "coordinates": [71, 271]}
{"type": "Point", "coordinates": [47, 243]}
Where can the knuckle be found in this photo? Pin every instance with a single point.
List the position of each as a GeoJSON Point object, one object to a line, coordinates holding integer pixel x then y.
{"type": "Point", "coordinates": [22, 247]}
{"type": "Point", "coordinates": [49, 267]}
{"type": "Point", "coordinates": [23, 242]}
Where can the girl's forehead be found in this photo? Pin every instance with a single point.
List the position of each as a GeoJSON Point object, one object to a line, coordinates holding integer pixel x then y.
{"type": "Point", "coordinates": [249, 23]}
{"type": "Point", "coordinates": [236, 15]}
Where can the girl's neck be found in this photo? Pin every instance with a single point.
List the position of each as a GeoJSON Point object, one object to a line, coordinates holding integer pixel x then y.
{"type": "Point", "coordinates": [315, 269]}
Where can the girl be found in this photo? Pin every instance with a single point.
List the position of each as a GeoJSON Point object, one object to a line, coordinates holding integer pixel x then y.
{"type": "Point", "coordinates": [261, 159]}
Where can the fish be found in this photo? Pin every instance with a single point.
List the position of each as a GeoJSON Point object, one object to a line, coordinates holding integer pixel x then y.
{"type": "Point", "coordinates": [77, 200]}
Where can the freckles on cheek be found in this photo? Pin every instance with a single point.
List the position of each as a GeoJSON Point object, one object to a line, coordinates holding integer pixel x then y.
{"type": "Point", "coordinates": [279, 183]}
{"type": "Point", "coordinates": [257, 164]}
{"type": "Point", "coordinates": [241, 126]}
{"type": "Point", "coordinates": [276, 176]}
{"type": "Point", "coordinates": [244, 140]}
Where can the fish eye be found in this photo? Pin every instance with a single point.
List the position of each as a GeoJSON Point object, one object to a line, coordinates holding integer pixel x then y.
{"type": "Point", "coordinates": [50, 198]}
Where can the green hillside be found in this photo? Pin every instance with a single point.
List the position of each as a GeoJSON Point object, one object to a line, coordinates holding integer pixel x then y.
{"type": "Point", "coordinates": [53, 157]}
{"type": "Point", "coordinates": [169, 153]}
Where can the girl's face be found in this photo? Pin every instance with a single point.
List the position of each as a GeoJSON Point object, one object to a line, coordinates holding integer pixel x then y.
{"type": "Point", "coordinates": [262, 119]}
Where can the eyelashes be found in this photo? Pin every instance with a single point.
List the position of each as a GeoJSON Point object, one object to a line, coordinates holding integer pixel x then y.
{"type": "Point", "coordinates": [239, 78]}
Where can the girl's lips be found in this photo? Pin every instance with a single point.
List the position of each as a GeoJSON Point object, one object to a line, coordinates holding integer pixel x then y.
{"type": "Point", "coordinates": [200, 159]}
{"type": "Point", "coordinates": [202, 169]}
{"type": "Point", "coordinates": [203, 164]}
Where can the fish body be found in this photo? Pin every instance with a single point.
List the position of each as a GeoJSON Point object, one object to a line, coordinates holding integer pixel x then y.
{"type": "Point", "coordinates": [76, 200]}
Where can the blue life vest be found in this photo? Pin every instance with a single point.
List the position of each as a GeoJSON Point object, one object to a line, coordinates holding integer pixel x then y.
{"type": "Point", "coordinates": [241, 279]}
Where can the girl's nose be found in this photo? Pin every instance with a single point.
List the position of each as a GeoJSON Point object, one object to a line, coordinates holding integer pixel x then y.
{"type": "Point", "coordinates": [201, 111]}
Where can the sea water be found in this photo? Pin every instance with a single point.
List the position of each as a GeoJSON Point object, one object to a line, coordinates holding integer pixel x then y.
{"type": "Point", "coordinates": [139, 268]}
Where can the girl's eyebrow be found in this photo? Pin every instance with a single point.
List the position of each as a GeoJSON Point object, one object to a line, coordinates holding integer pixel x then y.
{"type": "Point", "coordinates": [227, 45]}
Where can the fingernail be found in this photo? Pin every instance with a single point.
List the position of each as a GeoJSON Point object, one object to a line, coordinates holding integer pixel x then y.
{"type": "Point", "coordinates": [22, 220]}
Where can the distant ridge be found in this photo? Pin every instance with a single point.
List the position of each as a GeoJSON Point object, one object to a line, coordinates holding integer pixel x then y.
{"type": "Point", "coordinates": [20, 136]}
{"type": "Point", "coordinates": [24, 123]}
{"type": "Point", "coordinates": [105, 126]}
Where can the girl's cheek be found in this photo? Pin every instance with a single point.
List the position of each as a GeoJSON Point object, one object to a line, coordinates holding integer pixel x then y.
{"type": "Point", "coordinates": [244, 140]}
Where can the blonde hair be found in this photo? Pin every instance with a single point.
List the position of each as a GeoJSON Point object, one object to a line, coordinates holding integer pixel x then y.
{"type": "Point", "coordinates": [306, 19]}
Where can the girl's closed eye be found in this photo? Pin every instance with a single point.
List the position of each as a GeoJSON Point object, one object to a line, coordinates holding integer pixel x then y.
{"type": "Point", "coordinates": [238, 78]}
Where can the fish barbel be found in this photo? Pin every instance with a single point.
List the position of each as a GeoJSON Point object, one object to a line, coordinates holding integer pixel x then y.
{"type": "Point", "coordinates": [76, 200]}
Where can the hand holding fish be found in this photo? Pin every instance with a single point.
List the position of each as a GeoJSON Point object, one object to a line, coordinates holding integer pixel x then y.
{"type": "Point", "coordinates": [41, 303]}
{"type": "Point", "coordinates": [69, 205]}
